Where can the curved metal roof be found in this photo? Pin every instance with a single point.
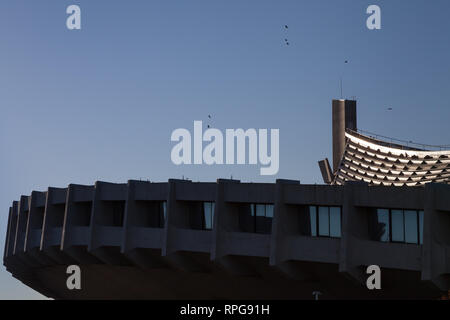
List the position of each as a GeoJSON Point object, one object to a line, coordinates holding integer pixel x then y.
{"type": "Point", "coordinates": [379, 163]}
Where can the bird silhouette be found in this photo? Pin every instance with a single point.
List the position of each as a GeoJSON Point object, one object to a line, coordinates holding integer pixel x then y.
{"type": "Point", "coordinates": [390, 109]}
{"type": "Point", "coordinates": [286, 26]}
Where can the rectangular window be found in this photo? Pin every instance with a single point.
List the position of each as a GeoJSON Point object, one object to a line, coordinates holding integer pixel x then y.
{"type": "Point", "coordinates": [325, 221]}
{"type": "Point", "coordinates": [335, 222]}
{"type": "Point", "coordinates": [396, 225]}
{"type": "Point", "coordinates": [256, 217]}
{"type": "Point", "coordinates": [208, 212]}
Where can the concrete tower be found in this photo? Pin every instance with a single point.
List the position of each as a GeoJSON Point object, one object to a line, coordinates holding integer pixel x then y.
{"type": "Point", "coordinates": [344, 117]}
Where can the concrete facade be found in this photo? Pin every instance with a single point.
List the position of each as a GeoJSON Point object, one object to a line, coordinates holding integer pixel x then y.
{"type": "Point", "coordinates": [149, 240]}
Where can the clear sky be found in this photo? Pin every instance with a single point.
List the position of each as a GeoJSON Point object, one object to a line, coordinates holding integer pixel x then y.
{"type": "Point", "coordinates": [101, 103]}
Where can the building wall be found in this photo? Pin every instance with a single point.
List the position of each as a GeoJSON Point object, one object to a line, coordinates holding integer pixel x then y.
{"type": "Point", "coordinates": [108, 226]}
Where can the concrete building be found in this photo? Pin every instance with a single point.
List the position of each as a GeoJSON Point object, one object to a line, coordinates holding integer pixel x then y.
{"type": "Point", "coordinates": [233, 240]}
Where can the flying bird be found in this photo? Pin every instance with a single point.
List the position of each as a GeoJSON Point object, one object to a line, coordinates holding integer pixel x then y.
{"type": "Point", "coordinates": [390, 109]}
{"type": "Point", "coordinates": [209, 116]}
{"type": "Point", "coordinates": [286, 26]}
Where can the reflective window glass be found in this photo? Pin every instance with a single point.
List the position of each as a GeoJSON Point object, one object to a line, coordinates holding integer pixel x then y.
{"type": "Point", "coordinates": [382, 228]}
{"type": "Point", "coordinates": [335, 222]}
{"type": "Point", "coordinates": [411, 235]}
{"type": "Point", "coordinates": [269, 210]}
{"type": "Point", "coordinates": [420, 227]}
{"type": "Point", "coordinates": [397, 226]}
{"type": "Point", "coordinates": [260, 210]}
{"type": "Point", "coordinates": [324, 222]}
{"type": "Point", "coordinates": [313, 220]}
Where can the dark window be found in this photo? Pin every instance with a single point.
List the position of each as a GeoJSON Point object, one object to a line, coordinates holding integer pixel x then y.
{"type": "Point", "coordinates": [208, 213]}
{"type": "Point", "coordinates": [201, 215]}
{"type": "Point", "coordinates": [382, 231]}
{"type": "Point", "coordinates": [149, 214]}
{"type": "Point", "coordinates": [162, 213]}
{"type": "Point", "coordinates": [115, 211]}
{"type": "Point", "coordinates": [40, 211]}
{"type": "Point", "coordinates": [82, 216]}
{"type": "Point", "coordinates": [256, 218]}
{"type": "Point", "coordinates": [324, 221]}
{"type": "Point", "coordinates": [396, 225]}
{"type": "Point", "coordinates": [59, 215]}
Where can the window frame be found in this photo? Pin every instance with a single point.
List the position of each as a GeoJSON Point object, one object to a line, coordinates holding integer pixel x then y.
{"type": "Point", "coordinates": [211, 213]}
{"type": "Point", "coordinates": [317, 233]}
{"type": "Point", "coordinates": [419, 232]}
{"type": "Point", "coordinates": [255, 216]}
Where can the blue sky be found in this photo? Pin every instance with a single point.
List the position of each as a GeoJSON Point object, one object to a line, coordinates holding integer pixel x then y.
{"type": "Point", "coordinates": [101, 103]}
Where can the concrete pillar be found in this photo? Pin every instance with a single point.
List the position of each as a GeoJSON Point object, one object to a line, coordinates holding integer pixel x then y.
{"type": "Point", "coordinates": [142, 243]}
{"type": "Point", "coordinates": [352, 224]}
{"type": "Point", "coordinates": [8, 230]}
{"type": "Point", "coordinates": [436, 238]}
{"type": "Point", "coordinates": [106, 226]}
{"type": "Point", "coordinates": [22, 221]}
{"type": "Point", "coordinates": [52, 227]}
{"type": "Point", "coordinates": [281, 224]}
{"type": "Point", "coordinates": [35, 220]}
{"type": "Point", "coordinates": [174, 220]}
{"type": "Point", "coordinates": [222, 220]}
{"type": "Point", "coordinates": [76, 235]}
{"type": "Point", "coordinates": [344, 117]}
{"type": "Point", "coordinates": [12, 229]}
{"type": "Point", "coordinates": [34, 228]}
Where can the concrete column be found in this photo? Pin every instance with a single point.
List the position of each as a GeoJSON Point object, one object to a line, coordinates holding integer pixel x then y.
{"type": "Point", "coordinates": [174, 220]}
{"type": "Point", "coordinates": [35, 220]}
{"type": "Point", "coordinates": [53, 217]}
{"type": "Point", "coordinates": [281, 224]}
{"type": "Point", "coordinates": [8, 230]}
{"type": "Point", "coordinates": [14, 264]}
{"type": "Point", "coordinates": [352, 223]}
{"type": "Point", "coordinates": [344, 117]}
{"type": "Point", "coordinates": [22, 221]}
{"type": "Point", "coordinates": [141, 243]}
{"type": "Point", "coordinates": [34, 228]}
{"type": "Point", "coordinates": [12, 228]}
{"type": "Point", "coordinates": [105, 237]}
{"type": "Point", "coordinates": [436, 238]}
{"type": "Point", "coordinates": [76, 230]}
{"type": "Point", "coordinates": [222, 220]}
